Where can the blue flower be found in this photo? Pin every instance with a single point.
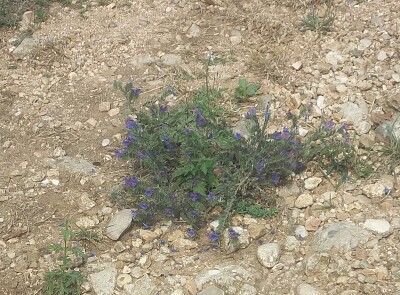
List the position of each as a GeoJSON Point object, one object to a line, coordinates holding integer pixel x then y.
{"type": "Point", "coordinates": [201, 121]}
{"type": "Point", "coordinates": [275, 178]}
{"type": "Point", "coordinates": [233, 234]}
{"type": "Point", "coordinates": [131, 182]}
{"type": "Point", "coordinates": [136, 91]}
{"type": "Point", "coordinates": [164, 138]}
{"type": "Point", "coordinates": [237, 136]}
{"type": "Point", "coordinates": [286, 133]}
{"type": "Point", "coordinates": [134, 213]}
{"type": "Point", "coordinates": [261, 167]}
{"type": "Point", "coordinates": [191, 233]}
{"type": "Point", "coordinates": [144, 206]}
{"type": "Point", "coordinates": [163, 109]}
{"type": "Point", "coordinates": [148, 193]}
{"type": "Point", "coordinates": [211, 197]}
{"type": "Point", "coordinates": [267, 113]}
{"type": "Point", "coordinates": [152, 111]}
{"type": "Point", "coordinates": [277, 135]}
{"type": "Point", "coordinates": [168, 213]}
{"type": "Point", "coordinates": [343, 127]}
{"type": "Point", "coordinates": [214, 236]}
{"type": "Point", "coordinates": [330, 125]}
{"type": "Point", "coordinates": [193, 214]}
{"type": "Point", "coordinates": [194, 196]}
{"type": "Point", "coordinates": [131, 124]}
{"type": "Point", "coordinates": [130, 139]}
{"type": "Point", "coordinates": [251, 113]}
{"type": "Point", "coordinates": [187, 131]}
{"type": "Point", "coordinates": [120, 154]}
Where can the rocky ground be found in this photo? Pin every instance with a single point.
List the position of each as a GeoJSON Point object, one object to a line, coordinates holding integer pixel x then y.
{"type": "Point", "coordinates": [61, 121]}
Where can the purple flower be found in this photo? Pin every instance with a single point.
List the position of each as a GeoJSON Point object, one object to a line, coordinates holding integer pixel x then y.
{"type": "Point", "coordinates": [148, 193]}
{"type": "Point", "coordinates": [210, 135]}
{"type": "Point", "coordinates": [136, 91]}
{"type": "Point", "coordinates": [92, 254]}
{"type": "Point", "coordinates": [131, 182]}
{"type": "Point", "coordinates": [152, 111]}
{"type": "Point", "coordinates": [163, 109]}
{"type": "Point", "coordinates": [233, 234]}
{"type": "Point", "coordinates": [187, 131]}
{"type": "Point", "coordinates": [261, 167]}
{"type": "Point", "coordinates": [131, 124]}
{"type": "Point", "coordinates": [120, 154]}
{"type": "Point", "coordinates": [144, 206]}
{"type": "Point", "coordinates": [251, 113]}
{"type": "Point", "coordinates": [275, 178]}
{"type": "Point", "coordinates": [193, 214]}
{"type": "Point", "coordinates": [329, 125]}
{"type": "Point", "coordinates": [134, 213]}
{"type": "Point", "coordinates": [277, 135]}
{"type": "Point", "coordinates": [194, 196]}
{"type": "Point", "coordinates": [141, 155]}
{"type": "Point", "coordinates": [214, 236]}
{"type": "Point", "coordinates": [198, 111]}
{"type": "Point", "coordinates": [347, 138]}
{"type": "Point", "coordinates": [130, 139]}
{"type": "Point", "coordinates": [343, 127]}
{"type": "Point", "coordinates": [187, 155]}
{"type": "Point", "coordinates": [168, 213]}
{"type": "Point", "coordinates": [267, 113]}
{"type": "Point", "coordinates": [211, 197]}
{"type": "Point", "coordinates": [191, 233]}
{"type": "Point", "coordinates": [237, 136]}
{"type": "Point", "coordinates": [286, 133]}
{"type": "Point", "coordinates": [289, 115]}
{"type": "Point", "coordinates": [164, 138]}
{"type": "Point", "coordinates": [201, 121]}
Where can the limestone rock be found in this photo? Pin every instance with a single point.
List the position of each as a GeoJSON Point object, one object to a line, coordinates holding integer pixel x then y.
{"type": "Point", "coordinates": [268, 254]}
{"type": "Point", "coordinates": [119, 223]}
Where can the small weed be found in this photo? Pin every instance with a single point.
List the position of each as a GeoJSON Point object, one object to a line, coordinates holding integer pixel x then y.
{"type": "Point", "coordinates": [43, 3]}
{"type": "Point", "coordinates": [64, 281]}
{"type": "Point", "coordinates": [103, 2]}
{"type": "Point", "coordinates": [245, 90]}
{"type": "Point", "coordinates": [87, 237]}
{"type": "Point", "coordinates": [391, 149]}
{"type": "Point", "coordinates": [65, 2]}
{"type": "Point", "coordinates": [40, 15]}
{"type": "Point", "coordinates": [7, 19]}
{"type": "Point", "coordinates": [313, 22]}
{"type": "Point", "coordinates": [254, 210]}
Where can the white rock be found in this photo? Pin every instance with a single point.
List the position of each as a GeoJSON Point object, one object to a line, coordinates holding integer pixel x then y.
{"type": "Point", "coordinates": [113, 112]}
{"type": "Point", "coordinates": [302, 132]}
{"type": "Point", "coordinates": [378, 226]}
{"type": "Point", "coordinates": [231, 245]}
{"type": "Point", "coordinates": [297, 65]}
{"type": "Point", "coordinates": [194, 31]}
{"type": "Point", "coordinates": [105, 142]}
{"type": "Point", "coordinates": [87, 222]}
{"type": "Point", "coordinates": [312, 182]}
{"type": "Point", "coordinates": [307, 289]}
{"type": "Point", "coordinates": [59, 152]}
{"type": "Point", "coordinates": [334, 58]}
{"type": "Point", "coordinates": [268, 254]}
{"type": "Point", "coordinates": [182, 243]}
{"type": "Point", "coordinates": [320, 101]}
{"type": "Point", "coordinates": [104, 106]}
{"type": "Point", "coordinates": [300, 232]}
{"type": "Point", "coordinates": [104, 281]}
{"type": "Point", "coordinates": [374, 190]}
{"type": "Point", "coordinates": [382, 55]}
{"type": "Point", "coordinates": [123, 279]}
{"type": "Point", "coordinates": [303, 201]}
{"type": "Point", "coordinates": [364, 43]}
{"type": "Point", "coordinates": [85, 203]}
{"type": "Point", "coordinates": [120, 222]}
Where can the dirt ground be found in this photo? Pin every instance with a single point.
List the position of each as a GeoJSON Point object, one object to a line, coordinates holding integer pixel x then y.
{"type": "Point", "coordinates": [50, 97]}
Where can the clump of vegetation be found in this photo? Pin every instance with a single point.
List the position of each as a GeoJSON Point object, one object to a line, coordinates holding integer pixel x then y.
{"type": "Point", "coordinates": [313, 22]}
{"type": "Point", "coordinates": [245, 90]}
{"type": "Point", "coordinates": [188, 161]}
{"type": "Point", "coordinates": [65, 280]}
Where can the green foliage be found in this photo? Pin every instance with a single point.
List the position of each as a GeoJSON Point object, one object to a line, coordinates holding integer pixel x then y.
{"type": "Point", "coordinates": [64, 281]}
{"type": "Point", "coordinates": [7, 19]}
{"type": "Point", "coordinates": [322, 25]}
{"type": "Point", "coordinates": [391, 149]}
{"type": "Point", "coordinates": [40, 15]}
{"type": "Point", "coordinates": [43, 3]}
{"type": "Point", "coordinates": [245, 90]}
{"type": "Point", "coordinates": [254, 210]}
{"type": "Point", "coordinates": [187, 160]}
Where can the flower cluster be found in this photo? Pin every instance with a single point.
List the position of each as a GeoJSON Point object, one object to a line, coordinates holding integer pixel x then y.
{"type": "Point", "coordinates": [193, 162]}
